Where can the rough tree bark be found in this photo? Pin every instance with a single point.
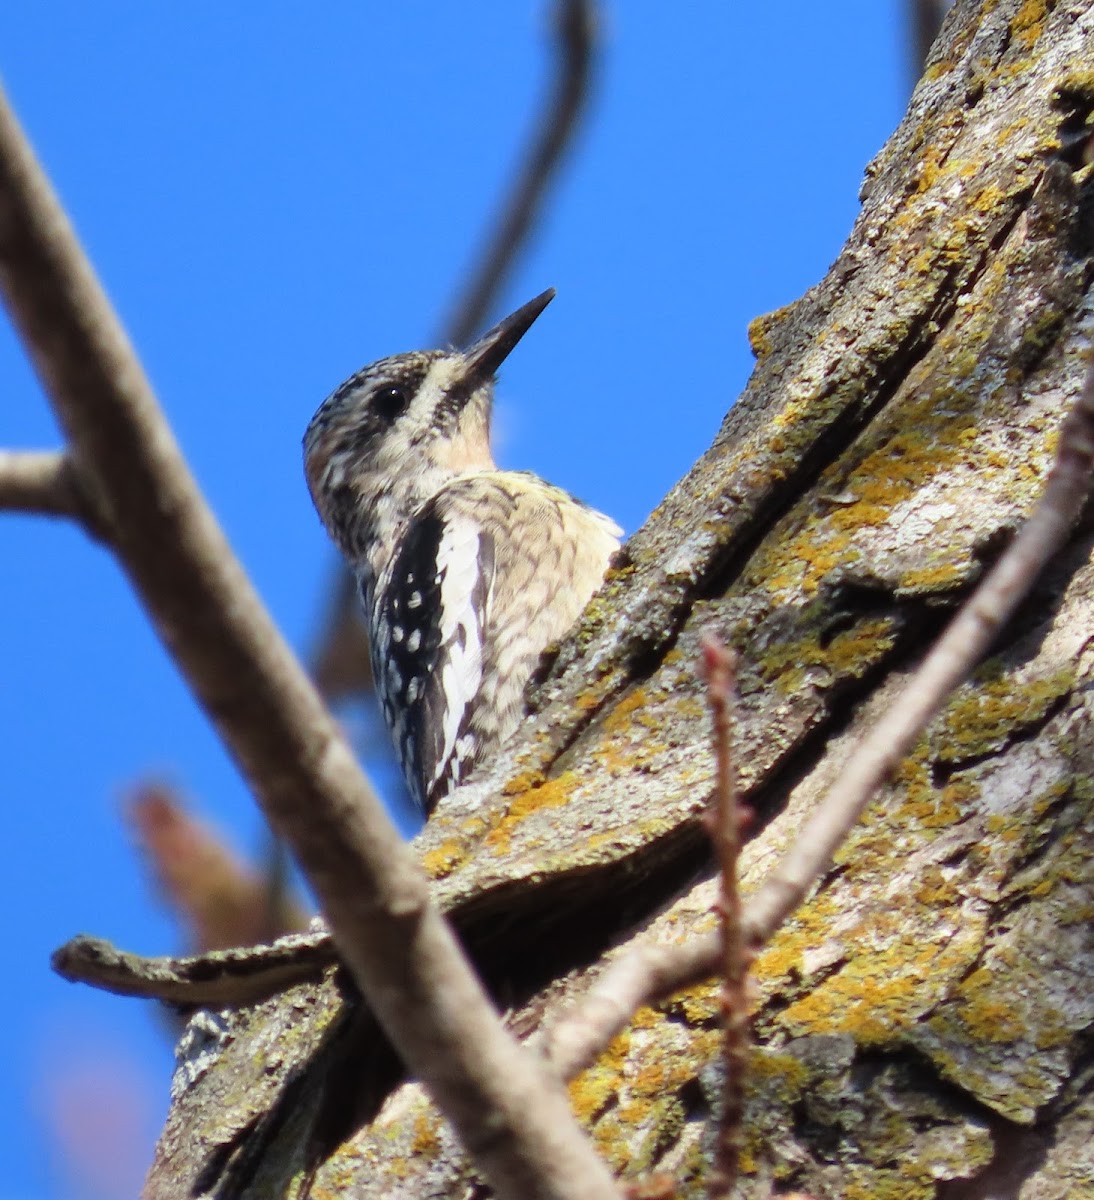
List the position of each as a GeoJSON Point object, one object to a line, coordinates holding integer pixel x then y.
{"type": "Point", "coordinates": [924, 1022]}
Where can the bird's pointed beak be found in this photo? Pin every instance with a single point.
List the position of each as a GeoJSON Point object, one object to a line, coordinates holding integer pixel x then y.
{"type": "Point", "coordinates": [487, 354]}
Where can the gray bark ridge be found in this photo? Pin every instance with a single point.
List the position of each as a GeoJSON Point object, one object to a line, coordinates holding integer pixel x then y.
{"type": "Point", "coordinates": [924, 1021]}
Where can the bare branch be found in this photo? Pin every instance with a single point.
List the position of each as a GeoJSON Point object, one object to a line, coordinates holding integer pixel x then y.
{"type": "Point", "coordinates": [648, 972]}
{"type": "Point", "coordinates": [217, 980]}
{"type": "Point", "coordinates": [341, 662]}
{"type": "Point", "coordinates": [641, 975]}
{"type": "Point", "coordinates": [220, 900]}
{"type": "Point", "coordinates": [720, 666]}
{"type": "Point", "coordinates": [511, 1117]}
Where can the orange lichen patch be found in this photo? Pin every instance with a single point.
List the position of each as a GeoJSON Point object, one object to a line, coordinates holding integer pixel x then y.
{"type": "Point", "coordinates": [1029, 22]}
{"type": "Point", "coordinates": [1005, 829]}
{"type": "Point", "coordinates": [913, 808]}
{"type": "Point", "coordinates": [886, 1184]}
{"type": "Point", "coordinates": [792, 663]}
{"type": "Point", "coordinates": [619, 719]}
{"type": "Point", "coordinates": [933, 809]}
{"type": "Point", "coordinates": [804, 561]}
{"type": "Point", "coordinates": [936, 70]}
{"type": "Point", "coordinates": [699, 1004]}
{"type": "Point", "coordinates": [782, 961]}
{"type": "Point", "coordinates": [630, 1098]}
{"type": "Point", "coordinates": [618, 758]}
{"type": "Point", "coordinates": [932, 430]}
{"type": "Point", "coordinates": [986, 1008]}
{"type": "Point", "coordinates": [442, 860]}
{"type": "Point", "coordinates": [523, 782]}
{"type": "Point", "coordinates": [942, 577]}
{"type": "Point", "coordinates": [426, 1134]}
{"type": "Point", "coordinates": [625, 743]}
{"type": "Point", "coordinates": [760, 329]}
{"type": "Point", "coordinates": [776, 1076]}
{"type": "Point", "coordinates": [597, 1086]}
{"type": "Point", "coordinates": [552, 794]}
{"type": "Point", "coordinates": [614, 574]}
{"type": "Point", "coordinates": [877, 996]}
{"type": "Point", "coordinates": [936, 889]}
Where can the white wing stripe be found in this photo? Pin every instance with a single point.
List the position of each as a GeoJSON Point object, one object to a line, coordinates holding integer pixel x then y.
{"type": "Point", "coordinates": [459, 567]}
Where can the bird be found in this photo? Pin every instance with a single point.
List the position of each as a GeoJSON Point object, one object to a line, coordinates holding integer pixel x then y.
{"type": "Point", "coordinates": [465, 572]}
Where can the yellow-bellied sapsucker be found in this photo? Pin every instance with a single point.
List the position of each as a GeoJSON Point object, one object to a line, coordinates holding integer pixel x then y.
{"type": "Point", "coordinates": [466, 572]}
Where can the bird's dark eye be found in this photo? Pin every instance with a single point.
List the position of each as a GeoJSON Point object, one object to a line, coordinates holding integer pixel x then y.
{"type": "Point", "coordinates": [390, 402]}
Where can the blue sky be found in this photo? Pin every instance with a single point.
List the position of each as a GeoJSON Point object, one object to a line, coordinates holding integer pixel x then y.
{"type": "Point", "coordinates": [275, 195]}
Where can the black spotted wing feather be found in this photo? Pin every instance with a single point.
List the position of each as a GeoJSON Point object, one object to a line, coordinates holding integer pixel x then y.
{"type": "Point", "coordinates": [495, 567]}
{"type": "Point", "coordinates": [428, 621]}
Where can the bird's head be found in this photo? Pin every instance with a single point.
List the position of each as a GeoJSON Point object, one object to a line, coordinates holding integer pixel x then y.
{"type": "Point", "coordinates": [389, 436]}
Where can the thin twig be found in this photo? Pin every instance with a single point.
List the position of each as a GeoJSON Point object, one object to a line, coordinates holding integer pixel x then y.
{"type": "Point", "coordinates": [644, 973]}
{"type": "Point", "coordinates": [648, 972]}
{"type": "Point", "coordinates": [949, 662]}
{"type": "Point", "coordinates": [513, 1120]}
{"type": "Point", "coordinates": [340, 660]}
{"type": "Point", "coordinates": [720, 667]}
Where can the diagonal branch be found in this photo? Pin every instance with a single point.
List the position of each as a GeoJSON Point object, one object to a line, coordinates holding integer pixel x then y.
{"type": "Point", "coordinates": [511, 1117]}
{"type": "Point", "coordinates": [947, 665]}
{"type": "Point", "coordinates": [648, 972]}
{"type": "Point", "coordinates": [574, 27]}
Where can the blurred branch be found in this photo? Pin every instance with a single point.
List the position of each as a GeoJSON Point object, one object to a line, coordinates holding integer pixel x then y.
{"type": "Point", "coordinates": [510, 1116]}
{"type": "Point", "coordinates": [341, 659]}
{"type": "Point", "coordinates": [341, 664]}
{"type": "Point", "coordinates": [574, 23]}
{"type": "Point", "coordinates": [649, 972]}
{"type": "Point", "coordinates": [643, 974]}
{"type": "Point", "coordinates": [925, 19]}
{"type": "Point", "coordinates": [219, 899]}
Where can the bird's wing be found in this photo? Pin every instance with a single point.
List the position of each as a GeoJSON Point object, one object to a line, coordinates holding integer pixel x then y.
{"type": "Point", "coordinates": [493, 568]}
{"type": "Point", "coordinates": [429, 624]}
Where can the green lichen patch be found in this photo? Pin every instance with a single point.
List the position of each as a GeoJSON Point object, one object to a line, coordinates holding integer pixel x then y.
{"type": "Point", "coordinates": [995, 707]}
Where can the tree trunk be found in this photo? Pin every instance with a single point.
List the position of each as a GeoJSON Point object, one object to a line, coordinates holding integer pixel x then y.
{"type": "Point", "coordinates": [923, 1022]}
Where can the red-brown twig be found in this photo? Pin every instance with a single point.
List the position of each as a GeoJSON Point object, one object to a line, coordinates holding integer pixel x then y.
{"type": "Point", "coordinates": [648, 972]}
{"type": "Point", "coordinates": [514, 1121]}
{"type": "Point", "coordinates": [720, 668]}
